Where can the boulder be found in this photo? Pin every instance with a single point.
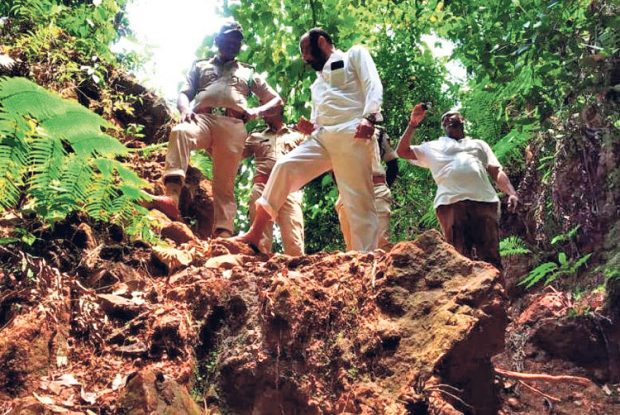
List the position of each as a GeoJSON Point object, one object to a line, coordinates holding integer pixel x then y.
{"type": "Point", "coordinates": [151, 392]}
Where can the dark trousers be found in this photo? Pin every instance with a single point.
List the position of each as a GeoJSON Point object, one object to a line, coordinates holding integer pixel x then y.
{"type": "Point", "coordinates": [473, 229]}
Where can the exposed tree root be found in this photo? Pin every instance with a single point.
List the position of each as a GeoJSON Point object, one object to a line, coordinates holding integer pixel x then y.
{"type": "Point", "coordinates": [544, 377]}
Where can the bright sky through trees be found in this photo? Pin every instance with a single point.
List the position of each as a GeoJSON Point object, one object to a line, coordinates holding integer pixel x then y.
{"type": "Point", "coordinates": [169, 32]}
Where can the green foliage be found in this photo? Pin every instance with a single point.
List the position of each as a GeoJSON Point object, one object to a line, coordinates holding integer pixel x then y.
{"type": "Point", "coordinates": [552, 270]}
{"type": "Point", "coordinates": [202, 161]}
{"type": "Point", "coordinates": [55, 159]}
{"type": "Point", "coordinates": [409, 73]}
{"type": "Point", "coordinates": [513, 245]}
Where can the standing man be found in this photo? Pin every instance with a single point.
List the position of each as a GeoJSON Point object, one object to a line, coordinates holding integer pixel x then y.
{"type": "Point", "coordinates": [382, 180]}
{"type": "Point", "coordinates": [219, 88]}
{"type": "Point", "coordinates": [346, 102]}
{"type": "Point", "coordinates": [467, 206]}
{"type": "Point", "coordinates": [268, 147]}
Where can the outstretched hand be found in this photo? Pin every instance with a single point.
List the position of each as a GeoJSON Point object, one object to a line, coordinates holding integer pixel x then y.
{"type": "Point", "coordinates": [417, 115]}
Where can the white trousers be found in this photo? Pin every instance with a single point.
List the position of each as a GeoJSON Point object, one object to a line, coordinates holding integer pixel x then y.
{"type": "Point", "coordinates": [383, 202]}
{"type": "Point", "coordinates": [290, 220]}
{"type": "Point", "coordinates": [351, 160]}
{"type": "Point", "coordinates": [223, 138]}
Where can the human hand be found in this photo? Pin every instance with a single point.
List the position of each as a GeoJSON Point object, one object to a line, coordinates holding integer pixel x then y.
{"type": "Point", "coordinates": [417, 115]}
{"type": "Point", "coordinates": [513, 201]}
{"type": "Point", "coordinates": [304, 126]}
{"type": "Point", "coordinates": [364, 129]}
{"type": "Point", "coordinates": [188, 116]}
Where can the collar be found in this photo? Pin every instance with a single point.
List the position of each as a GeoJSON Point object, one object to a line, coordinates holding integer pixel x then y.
{"type": "Point", "coordinates": [216, 61]}
{"type": "Point", "coordinates": [337, 54]}
{"type": "Point", "coordinates": [448, 139]}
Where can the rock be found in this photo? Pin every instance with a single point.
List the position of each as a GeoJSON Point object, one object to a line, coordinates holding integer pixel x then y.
{"type": "Point", "coordinates": [197, 202]}
{"type": "Point", "coordinates": [29, 406]}
{"type": "Point", "coordinates": [150, 110]}
{"type": "Point", "coordinates": [119, 307]}
{"type": "Point", "coordinates": [159, 219]}
{"type": "Point", "coordinates": [546, 305]}
{"type": "Point", "coordinates": [225, 261]}
{"type": "Point", "coordinates": [357, 332]}
{"type": "Point", "coordinates": [170, 334]}
{"type": "Point", "coordinates": [24, 353]}
{"type": "Point", "coordinates": [150, 392]}
{"type": "Point", "coordinates": [172, 259]}
{"type": "Point", "coordinates": [109, 274]}
{"type": "Point", "coordinates": [577, 339]}
{"type": "Point", "coordinates": [85, 237]}
{"type": "Point", "coordinates": [178, 232]}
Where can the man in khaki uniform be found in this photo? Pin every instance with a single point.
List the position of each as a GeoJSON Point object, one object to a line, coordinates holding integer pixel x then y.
{"type": "Point", "coordinates": [267, 147]}
{"type": "Point", "coordinates": [383, 196]}
{"type": "Point", "coordinates": [219, 88]}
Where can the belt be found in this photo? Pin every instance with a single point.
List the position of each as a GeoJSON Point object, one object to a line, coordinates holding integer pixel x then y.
{"type": "Point", "coordinates": [261, 178]}
{"type": "Point", "coordinates": [380, 179]}
{"type": "Point", "coordinates": [227, 112]}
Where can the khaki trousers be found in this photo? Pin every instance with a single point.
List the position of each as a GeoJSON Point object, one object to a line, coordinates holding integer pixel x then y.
{"type": "Point", "coordinates": [383, 202]}
{"type": "Point", "coordinates": [351, 160]}
{"type": "Point", "coordinates": [472, 228]}
{"type": "Point", "coordinates": [223, 138]}
{"type": "Point", "coordinates": [290, 220]}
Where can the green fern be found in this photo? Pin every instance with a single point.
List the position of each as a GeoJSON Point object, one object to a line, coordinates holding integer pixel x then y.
{"type": "Point", "coordinates": [512, 245]}
{"type": "Point", "coordinates": [551, 271]}
{"type": "Point", "coordinates": [55, 156]}
{"type": "Point", "coordinates": [203, 162]}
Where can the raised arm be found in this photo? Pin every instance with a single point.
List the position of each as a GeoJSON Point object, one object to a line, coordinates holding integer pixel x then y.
{"type": "Point", "coordinates": [404, 149]}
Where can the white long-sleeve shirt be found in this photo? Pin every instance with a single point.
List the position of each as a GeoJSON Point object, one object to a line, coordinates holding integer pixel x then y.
{"type": "Point", "coordinates": [342, 97]}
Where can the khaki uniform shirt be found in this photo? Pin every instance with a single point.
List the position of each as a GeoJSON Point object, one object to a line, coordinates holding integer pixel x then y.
{"type": "Point", "coordinates": [211, 83]}
{"type": "Point", "coordinates": [268, 147]}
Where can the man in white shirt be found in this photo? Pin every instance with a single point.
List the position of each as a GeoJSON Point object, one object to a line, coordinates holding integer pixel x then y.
{"type": "Point", "coordinates": [382, 179]}
{"type": "Point", "coordinates": [346, 102]}
{"type": "Point", "coordinates": [466, 203]}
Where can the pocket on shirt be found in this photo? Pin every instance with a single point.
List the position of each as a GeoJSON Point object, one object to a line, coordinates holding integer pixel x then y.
{"type": "Point", "coordinates": [337, 77]}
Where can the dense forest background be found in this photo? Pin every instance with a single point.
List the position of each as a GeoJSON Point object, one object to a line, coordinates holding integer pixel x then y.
{"type": "Point", "coordinates": [534, 68]}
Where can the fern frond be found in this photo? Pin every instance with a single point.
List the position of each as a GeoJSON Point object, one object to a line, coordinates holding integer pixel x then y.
{"type": "Point", "coordinates": [202, 162]}
{"type": "Point", "coordinates": [512, 245]}
{"type": "Point", "coordinates": [96, 144]}
{"type": "Point", "coordinates": [545, 270]}
{"type": "Point", "coordinates": [74, 121]}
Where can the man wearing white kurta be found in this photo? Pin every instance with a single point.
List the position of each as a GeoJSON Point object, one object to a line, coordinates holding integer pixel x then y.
{"type": "Point", "coordinates": [383, 195]}
{"type": "Point", "coordinates": [346, 98]}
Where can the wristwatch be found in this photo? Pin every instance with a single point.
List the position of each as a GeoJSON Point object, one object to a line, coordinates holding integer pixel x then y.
{"type": "Point", "coordinates": [374, 117]}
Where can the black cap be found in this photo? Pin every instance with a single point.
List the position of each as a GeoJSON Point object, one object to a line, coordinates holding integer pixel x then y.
{"type": "Point", "coordinates": [230, 27]}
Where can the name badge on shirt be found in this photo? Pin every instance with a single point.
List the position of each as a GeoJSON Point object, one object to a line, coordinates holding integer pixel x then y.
{"type": "Point", "coordinates": [336, 77]}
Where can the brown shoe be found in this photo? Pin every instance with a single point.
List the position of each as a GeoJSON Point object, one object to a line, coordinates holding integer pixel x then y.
{"type": "Point", "coordinates": [166, 205]}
